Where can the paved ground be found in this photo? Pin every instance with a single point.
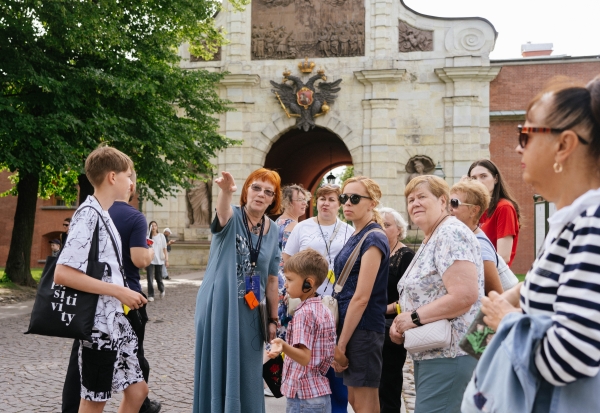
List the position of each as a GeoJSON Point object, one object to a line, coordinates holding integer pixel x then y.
{"type": "Point", "coordinates": [32, 368]}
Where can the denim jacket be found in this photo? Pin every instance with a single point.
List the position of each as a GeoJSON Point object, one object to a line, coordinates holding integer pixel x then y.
{"type": "Point", "coordinates": [506, 379]}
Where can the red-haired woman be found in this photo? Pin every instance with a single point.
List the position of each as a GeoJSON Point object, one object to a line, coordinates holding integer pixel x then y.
{"type": "Point", "coordinates": [244, 259]}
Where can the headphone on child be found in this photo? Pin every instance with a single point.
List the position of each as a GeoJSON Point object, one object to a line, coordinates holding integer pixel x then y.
{"type": "Point", "coordinates": [306, 287]}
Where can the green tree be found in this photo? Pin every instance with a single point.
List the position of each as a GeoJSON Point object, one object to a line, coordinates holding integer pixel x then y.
{"type": "Point", "coordinates": [74, 74]}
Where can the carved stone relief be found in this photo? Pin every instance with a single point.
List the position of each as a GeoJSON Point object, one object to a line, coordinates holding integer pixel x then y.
{"type": "Point", "coordinates": [419, 165]}
{"type": "Point", "coordinates": [289, 29]}
{"type": "Point", "coordinates": [198, 203]}
{"type": "Point", "coordinates": [412, 39]}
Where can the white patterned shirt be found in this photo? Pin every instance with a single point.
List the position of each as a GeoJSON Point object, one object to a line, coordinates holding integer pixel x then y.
{"type": "Point", "coordinates": [423, 284]}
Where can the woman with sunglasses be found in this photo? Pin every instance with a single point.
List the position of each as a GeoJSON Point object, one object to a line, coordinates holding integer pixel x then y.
{"type": "Point", "coordinates": [468, 200]}
{"type": "Point", "coordinates": [326, 234]}
{"type": "Point", "coordinates": [242, 269]}
{"type": "Point", "coordinates": [362, 301]}
{"type": "Point", "coordinates": [501, 221]}
{"type": "Point", "coordinates": [560, 157]}
{"type": "Point", "coordinates": [444, 281]}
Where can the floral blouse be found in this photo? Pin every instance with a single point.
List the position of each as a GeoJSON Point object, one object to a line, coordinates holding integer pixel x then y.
{"type": "Point", "coordinates": [452, 241]}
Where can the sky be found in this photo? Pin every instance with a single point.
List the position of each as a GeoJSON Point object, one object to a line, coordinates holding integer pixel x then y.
{"type": "Point", "coordinates": [572, 26]}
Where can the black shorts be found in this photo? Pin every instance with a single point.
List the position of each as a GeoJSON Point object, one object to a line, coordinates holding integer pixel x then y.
{"type": "Point", "coordinates": [364, 355]}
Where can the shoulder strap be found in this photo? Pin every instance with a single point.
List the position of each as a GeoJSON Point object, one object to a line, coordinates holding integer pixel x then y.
{"type": "Point", "coordinates": [108, 231]}
{"type": "Point", "coordinates": [341, 280]}
{"type": "Point", "coordinates": [338, 225]}
{"type": "Point", "coordinates": [494, 249]}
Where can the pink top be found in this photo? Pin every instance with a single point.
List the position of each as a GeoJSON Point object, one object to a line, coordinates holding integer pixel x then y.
{"type": "Point", "coordinates": [314, 327]}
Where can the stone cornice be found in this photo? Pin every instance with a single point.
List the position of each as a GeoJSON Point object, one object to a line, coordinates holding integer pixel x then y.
{"type": "Point", "coordinates": [467, 73]}
{"type": "Point", "coordinates": [240, 80]}
{"type": "Point", "coordinates": [507, 115]}
{"type": "Point", "coordinates": [369, 77]}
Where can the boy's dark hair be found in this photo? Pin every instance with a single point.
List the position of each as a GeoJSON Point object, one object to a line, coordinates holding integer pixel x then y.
{"type": "Point", "coordinates": [308, 262]}
{"type": "Point", "coordinates": [67, 219]}
{"type": "Point", "coordinates": [103, 160]}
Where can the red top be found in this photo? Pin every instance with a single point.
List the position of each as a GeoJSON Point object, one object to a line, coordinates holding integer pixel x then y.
{"type": "Point", "coordinates": [314, 327]}
{"type": "Point", "coordinates": [502, 223]}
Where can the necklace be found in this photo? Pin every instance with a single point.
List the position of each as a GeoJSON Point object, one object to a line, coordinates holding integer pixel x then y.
{"type": "Point", "coordinates": [255, 228]}
{"type": "Point", "coordinates": [434, 228]}
{"type": "Point", "coordinates": [392, 250]}
{"type": "Point", "coordinates": [475, 229]}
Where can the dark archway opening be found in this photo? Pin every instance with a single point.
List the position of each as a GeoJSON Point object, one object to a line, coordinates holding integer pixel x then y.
{"type": "Point", "coordinates": [304, 157]}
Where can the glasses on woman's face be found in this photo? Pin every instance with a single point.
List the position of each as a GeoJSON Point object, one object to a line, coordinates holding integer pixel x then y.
{"type": "Point", "coordinates": [354, 198]}
{"type": "Point", "coordinates": [301, 200]}
{"type": "Point", "coordinates": [455, 203]}
{"type": "Point", "coordinates": [258, 188]}
{"type": "Point", "coordinates": [524, 132]}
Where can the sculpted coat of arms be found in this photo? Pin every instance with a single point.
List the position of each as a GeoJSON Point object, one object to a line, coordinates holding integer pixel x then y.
{"type": "Point", "coordinates": [306, 101]}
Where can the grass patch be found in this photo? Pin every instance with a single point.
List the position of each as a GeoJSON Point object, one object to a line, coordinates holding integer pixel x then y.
{"type": "Point", "coordinates": [521, 277]}
{"type": "Point", "coordinates": [36, 273]}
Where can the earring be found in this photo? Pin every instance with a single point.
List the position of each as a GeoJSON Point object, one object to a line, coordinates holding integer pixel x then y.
{"type": "Point", "coordinates": [557, 167]}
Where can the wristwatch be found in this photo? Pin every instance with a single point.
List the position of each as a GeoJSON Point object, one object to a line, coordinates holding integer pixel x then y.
{"type": "Point", "coordinates": [274, 321]}
{"type": "Point", "coordinates": [414, 316]}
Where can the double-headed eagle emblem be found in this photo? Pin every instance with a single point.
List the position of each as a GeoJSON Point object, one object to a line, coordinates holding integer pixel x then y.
{"type": "Point", "coordinates": [303, 101]}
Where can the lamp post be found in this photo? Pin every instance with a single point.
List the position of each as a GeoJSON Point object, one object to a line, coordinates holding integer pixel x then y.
{"type": "Point", "coordinates": [331, 177]}
{"type": "Point", "coordinates": [438, 171]}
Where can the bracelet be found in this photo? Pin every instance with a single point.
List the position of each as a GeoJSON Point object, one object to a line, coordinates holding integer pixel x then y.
{"type": "Point", "coordinates": [274, 321]}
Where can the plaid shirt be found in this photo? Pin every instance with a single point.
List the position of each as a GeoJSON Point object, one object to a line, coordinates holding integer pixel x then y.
{"type": "Point", "coordinates": [314, 327]}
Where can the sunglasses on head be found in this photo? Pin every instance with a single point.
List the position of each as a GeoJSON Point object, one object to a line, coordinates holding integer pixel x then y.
{"type": "Point", "coordinates": [258, 188]}
{"type": "Point", "coordinates": [354, 198]}
{"type": "Point", "coordinates": [455, 203]}
{"type": "Point", "coordinates": [524, 132]}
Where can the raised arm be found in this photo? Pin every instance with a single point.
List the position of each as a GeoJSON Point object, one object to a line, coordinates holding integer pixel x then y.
{"type": "Point", "coordinates": [227, 187]}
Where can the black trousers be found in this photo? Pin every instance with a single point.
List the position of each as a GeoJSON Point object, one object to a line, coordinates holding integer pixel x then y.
{"type": "Point", "coordinates": [71, 395]}
{"type": "Point", "coordinates": [154, 272]}
{"type": "Point", "coordinates": [390, 386]}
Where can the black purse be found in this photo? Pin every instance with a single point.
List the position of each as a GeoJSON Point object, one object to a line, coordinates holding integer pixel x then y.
{"type": "Point", "coordinates": [61, 311]}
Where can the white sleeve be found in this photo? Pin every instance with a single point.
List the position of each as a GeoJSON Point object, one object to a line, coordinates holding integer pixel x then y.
{"type": "Point", "coordinates": [292, 245]}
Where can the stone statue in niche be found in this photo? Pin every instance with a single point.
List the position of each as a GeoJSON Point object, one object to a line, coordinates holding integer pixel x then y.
{"type": "Point", "coordinates": [287, 29]}
{"type": "Point", "coordinates": [199, 202]}
{"type": "Point", "coordinates": [419, 165]}
{"type": "Point", "coordinates": [412, 39]}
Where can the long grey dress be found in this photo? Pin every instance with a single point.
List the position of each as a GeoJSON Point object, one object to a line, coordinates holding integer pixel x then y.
{"type": "Point", "coordinates": [229, 346]}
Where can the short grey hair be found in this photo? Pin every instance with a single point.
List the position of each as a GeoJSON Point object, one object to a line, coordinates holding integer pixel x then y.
{"type": "Point", "coordinates": [400, 222]}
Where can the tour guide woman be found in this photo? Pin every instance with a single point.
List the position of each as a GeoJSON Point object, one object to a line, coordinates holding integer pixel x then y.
{"type": "Point", "coordinates": [445, 281]}
{"type": "Point", "coordinates": [362, 301]}
{"type": "Point", "coordinates": [229, 343]}
{"type": "Point", "coordinates": [560, 157]}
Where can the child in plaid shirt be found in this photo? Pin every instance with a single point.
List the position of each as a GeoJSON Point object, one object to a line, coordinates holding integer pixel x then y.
{"type": "Point", "coordinates": [311, 337]}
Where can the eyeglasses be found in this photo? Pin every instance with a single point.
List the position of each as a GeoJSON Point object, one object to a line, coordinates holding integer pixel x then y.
{"type": "Point", "coordinates": [303, 200]}
{"type": "Point", "coordinates": [258, 188]}
{"type": "Point", "coordinates": [455, 203]}
{"type": "Point", "coordinates": [354, 198]}
{"type": "Point", "coordinates": [524, 132]}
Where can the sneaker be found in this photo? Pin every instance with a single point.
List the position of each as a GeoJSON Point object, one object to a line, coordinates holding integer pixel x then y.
{"type": "Point", "coordinates": [162, 295]}
{"type": "Point", "coordinates": [268, 392]}
{"type": "Point", "coordinates": [150, 299]}
{"type": "Point", "coordinates": [153, 408]}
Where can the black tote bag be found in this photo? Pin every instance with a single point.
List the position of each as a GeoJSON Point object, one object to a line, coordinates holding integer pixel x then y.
{"type": "Point", "coordinates": [61, 311]}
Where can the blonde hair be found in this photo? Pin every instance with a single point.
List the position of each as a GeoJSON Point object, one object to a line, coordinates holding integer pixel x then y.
{"type": "Point", "coordinates": [373, 190]}
{"type": "Point", "coordinates": [437, 186]}
{"type": "Point", "coordinates": [306, 263]}
{"type": "Point", "coordinates": [104, 160]}
{"type": "Point", "coordinates": [287, 195]}
{"type": "Point", "coordinates": [475, 193]}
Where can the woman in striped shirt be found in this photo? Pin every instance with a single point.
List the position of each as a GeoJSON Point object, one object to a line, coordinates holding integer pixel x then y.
{"type": "Point", "coordinates": [560, 156]}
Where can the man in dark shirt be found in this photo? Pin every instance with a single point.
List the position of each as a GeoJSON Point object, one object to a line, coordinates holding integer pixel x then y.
{"type": "Point", "coordinates": [132, 227]}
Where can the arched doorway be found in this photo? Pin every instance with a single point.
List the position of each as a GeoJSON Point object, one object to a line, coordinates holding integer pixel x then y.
{"type": "Point", "coordinates": [304, 157]}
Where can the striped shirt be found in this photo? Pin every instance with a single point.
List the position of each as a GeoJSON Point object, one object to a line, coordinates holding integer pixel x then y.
{"type": "Point", "coordinates": [564, 283]}
{"type": "Point", "coordinates": [312, 326]}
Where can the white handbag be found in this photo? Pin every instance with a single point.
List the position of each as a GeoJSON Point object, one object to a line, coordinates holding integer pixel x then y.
{"type": "Point", "coordinates": [428, 337]}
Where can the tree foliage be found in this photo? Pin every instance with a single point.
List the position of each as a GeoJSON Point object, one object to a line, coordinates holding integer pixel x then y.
{"type": "Point", "coordinates": [74, 74]}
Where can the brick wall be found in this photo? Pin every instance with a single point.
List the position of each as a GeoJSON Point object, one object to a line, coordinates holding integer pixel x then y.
{"type": "Point", "coordinates": [512, 90]}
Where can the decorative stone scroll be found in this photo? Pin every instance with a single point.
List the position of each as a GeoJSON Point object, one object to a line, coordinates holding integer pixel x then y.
{"type": "Point", "coordinates": [412, 39]}
{"type": "Point", "coordinates": [289, 29]}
